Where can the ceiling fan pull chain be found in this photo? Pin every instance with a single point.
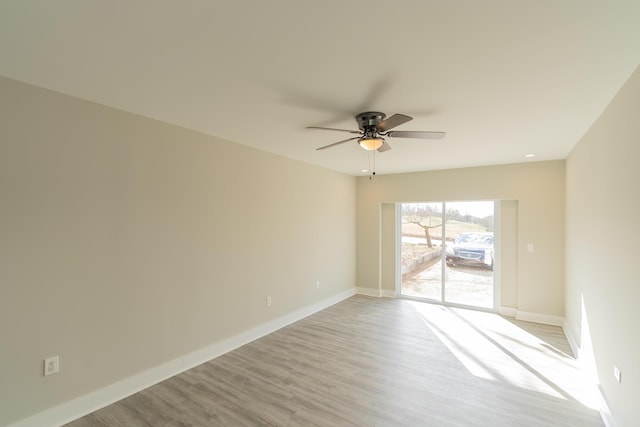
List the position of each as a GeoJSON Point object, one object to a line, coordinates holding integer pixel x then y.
{"type": "Point", "coordinates": [372, 160]}
{"type": "Point", "coordinates": [373, 171]}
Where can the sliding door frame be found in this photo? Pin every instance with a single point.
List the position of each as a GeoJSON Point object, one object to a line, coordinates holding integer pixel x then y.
{"type": "Point", "coordinates": [443, 301]}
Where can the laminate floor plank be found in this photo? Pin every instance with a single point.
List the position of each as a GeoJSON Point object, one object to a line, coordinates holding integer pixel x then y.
{"type": "Point", "coordinates": [376, 362]}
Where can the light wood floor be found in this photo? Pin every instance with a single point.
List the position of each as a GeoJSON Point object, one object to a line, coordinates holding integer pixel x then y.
{"type": "Point", "coordinates": [376, 362]}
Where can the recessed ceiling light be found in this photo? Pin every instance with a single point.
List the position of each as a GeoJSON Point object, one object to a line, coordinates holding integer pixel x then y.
{"type": "Point", "coordinates": [528, 156]}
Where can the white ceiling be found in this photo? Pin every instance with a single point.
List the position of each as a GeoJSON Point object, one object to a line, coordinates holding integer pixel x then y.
{"type": "Point", "coordinates": [503, 78]}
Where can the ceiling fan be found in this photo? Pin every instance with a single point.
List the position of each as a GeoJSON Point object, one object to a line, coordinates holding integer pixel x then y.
{"type": "Point", "coordinates": [374, 126]}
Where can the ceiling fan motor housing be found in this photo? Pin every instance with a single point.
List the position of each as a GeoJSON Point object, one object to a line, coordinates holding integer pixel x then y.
{"type": "Point", "coordinates": [369, 119]}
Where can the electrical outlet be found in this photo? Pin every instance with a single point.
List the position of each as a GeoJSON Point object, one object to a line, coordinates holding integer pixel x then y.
{"type": "Point", "coordinates": [268, 301]}
{"type": "Point", "coordinates": [51, 366]}
{"type": "Point", "coordinates": [317, 284]}
{"type": "Point", "coordinates": [617, 374]}
{"type": "Point", "coordinates": [530, 247]}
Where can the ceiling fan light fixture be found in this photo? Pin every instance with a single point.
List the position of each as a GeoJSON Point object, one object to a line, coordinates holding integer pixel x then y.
{"type": "Point", "coordinates": [371, 143]}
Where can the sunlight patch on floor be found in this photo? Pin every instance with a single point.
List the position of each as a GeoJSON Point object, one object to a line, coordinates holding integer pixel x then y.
{"type": "Point", "coordinates": [531, 356]}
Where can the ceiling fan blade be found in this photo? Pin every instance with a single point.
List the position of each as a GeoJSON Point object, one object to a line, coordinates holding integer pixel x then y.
{"type": "Point", "coordinates": [339, 130]}
{"type": "Point", "coordinates": [416, 134]}
{"type": "Point", "coordinates": [337, 143]}
{"type": "Point", "coordinates": [384, 147]}
{"type": "Point", "coordinates": [393, 121]}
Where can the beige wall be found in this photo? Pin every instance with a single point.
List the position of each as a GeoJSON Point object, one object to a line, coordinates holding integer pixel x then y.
{"type": "Point", "coordinates": [126, 242]}
{"type": "Point", "coordinates": [508, 268]}
{"type": "Point", "coordinates": [534, 282]}
{"type": "Point", "coordinates": [603, 230]}
{"type": "Point", "coordinates": [388, 248]}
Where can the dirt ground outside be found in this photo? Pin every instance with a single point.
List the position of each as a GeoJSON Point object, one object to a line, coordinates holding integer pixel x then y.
{"type": "Point", "coordinates": [471, 286]}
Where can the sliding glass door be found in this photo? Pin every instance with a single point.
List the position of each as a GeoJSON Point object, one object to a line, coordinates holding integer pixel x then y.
{"type": "Point", "coordinates": [422, 273]}
{"type": "Point", "coordinates": [448, 252]}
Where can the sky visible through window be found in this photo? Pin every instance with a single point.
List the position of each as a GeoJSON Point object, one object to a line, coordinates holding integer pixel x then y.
{"type": "Point", "coordinates": [480, 209]}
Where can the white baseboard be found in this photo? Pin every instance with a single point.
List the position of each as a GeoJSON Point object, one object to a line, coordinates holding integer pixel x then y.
{"type": "Point", "coordinates": [605, 412]}
{"type": "Point", "coordinates": [508, 311]}
{"type": "Point", "coordinates": [573, 342]}
{"type": "Point", "coordinates": [527, 316]}
{"type": "Point", "coordinates": [386, 293]}
{"type": "Point", "coordinates": [370, 292]}
{"type": "Point", "coordinates": [546, 319]}
{"type": "Point", "coordinates": [100, 398]}
{"type": "Point", "coordinates": [603, 406]}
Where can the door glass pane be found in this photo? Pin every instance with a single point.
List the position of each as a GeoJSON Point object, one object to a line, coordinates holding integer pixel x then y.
{"type": "Point", "coordinates": [422, 250]}
{"type": "Point", "coordinates": [469, 253]}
